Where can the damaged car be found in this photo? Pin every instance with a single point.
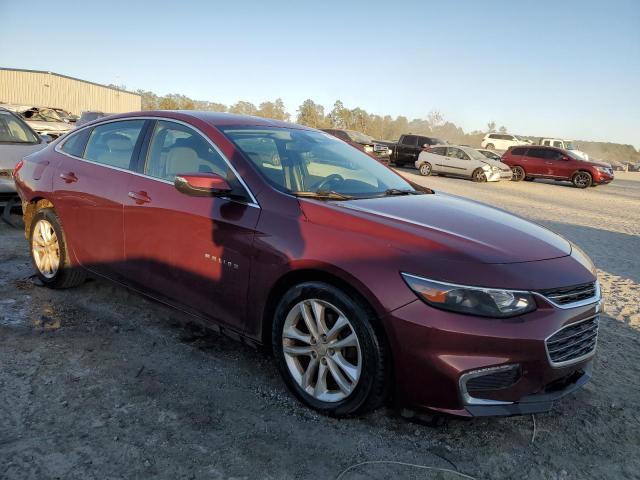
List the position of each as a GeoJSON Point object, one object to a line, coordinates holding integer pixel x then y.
{"type": "Point", "coordinates": [365, 287]}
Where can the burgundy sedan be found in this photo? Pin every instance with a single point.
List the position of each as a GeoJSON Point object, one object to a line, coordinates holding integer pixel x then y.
{"type": "Point", "coordinates": [364, 285]}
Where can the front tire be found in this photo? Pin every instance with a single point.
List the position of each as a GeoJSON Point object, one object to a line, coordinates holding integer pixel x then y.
{"type": "Point", "coordinates": [582, 179]}
{"type": "Point", "coordinates": [328, 352]}
{"type": "Point", "coordinates": [49, 253]}
{"type": "Point", "coordinates": [425, 169]}
{"type": "Point", "coordinates": [518, 174]}
{"type": "Point", "coordinates": [479, 176]}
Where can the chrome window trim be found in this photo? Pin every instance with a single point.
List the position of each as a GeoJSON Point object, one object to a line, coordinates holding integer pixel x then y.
{"type": "Point", "coordinates": [465, 377]}
{"type": "Point", "coordinates": [58, 149]}
{"type": "Point", "coordinates": [573, 361]}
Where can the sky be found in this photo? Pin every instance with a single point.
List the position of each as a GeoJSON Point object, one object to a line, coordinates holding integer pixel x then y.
{"type": "Point", "coordinates": [568, 69]}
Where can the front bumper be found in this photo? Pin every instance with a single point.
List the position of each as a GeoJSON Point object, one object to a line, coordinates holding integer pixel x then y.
{"type": "Point", "coordinates": [603, 178]}
{"type": "Point", "coordinates": [435, 349]}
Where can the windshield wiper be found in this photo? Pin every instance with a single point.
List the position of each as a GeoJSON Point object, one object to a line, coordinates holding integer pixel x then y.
{"type": "Point", "coordinates": [397, 191]}
{"type": "Point", "coordinates": [325, 194]}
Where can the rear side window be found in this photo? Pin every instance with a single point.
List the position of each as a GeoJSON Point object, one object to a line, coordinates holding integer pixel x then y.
{"type": "Point", "coordinates": [537, 153]}
{"type": "Point", "coordinates": [74, 145]}
{"type": "Point", "coordinates": [494, 136]}
{"type": "Point", "coordinates": [409, 140]}
{"type": "Point", "coordinates": [439, 151]}
{"type": "Point", "coordinates": [518, 151]}
{"type": "Point", "coordinates": [113, 143]}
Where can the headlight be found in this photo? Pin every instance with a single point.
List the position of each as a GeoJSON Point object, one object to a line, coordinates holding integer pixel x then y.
{"type": "Point", "coordinates": [483, 302]}
{"type": "Point", "coordinates": [602, 169]}
{"type": "Point", "coordinates": [368, 149]}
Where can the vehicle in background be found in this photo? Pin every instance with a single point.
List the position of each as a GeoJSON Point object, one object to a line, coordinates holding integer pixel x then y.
{"type": "Point", "coordinates": [17, 140]}
{"type": "Point", "coordinates": [44, 120]}
{"type": "Point", "coordinates": [536, 161]}
{"type": "Point", "coordinates": [501, 141]}
{"type": "Point", "coordinates": [563, 144]}
{"type": "Point", "coordinates": [460, 161]}
{"type": "Point", "coordinates": [90, 116]}
{"type": "Point", "coordinates": [364, 286]}
{"type": "Point", "coordinates": [362, 142]}
{"type": "Point", "coordinates": [65, 115]}
{"type": "Point", "coordinates": [490, 154]}
{"type": "Point", "coordinates": [406, 150]}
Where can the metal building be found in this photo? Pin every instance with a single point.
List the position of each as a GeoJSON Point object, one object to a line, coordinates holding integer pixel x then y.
{"type": "Point", "coordinates": [48, 89]}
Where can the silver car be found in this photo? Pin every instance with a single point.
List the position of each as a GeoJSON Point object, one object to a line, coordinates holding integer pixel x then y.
{"type": "Point", "coordinates": [459, 161]}
{"type": "Point", "coordinates": [17, 140]}
{"type": "Point", "coordinates": [44, 120]}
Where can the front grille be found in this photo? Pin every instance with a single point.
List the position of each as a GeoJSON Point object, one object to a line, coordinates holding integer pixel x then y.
{"type": "Point", "coordinates": [569, 295]}
{"type": "Point", "coordinates": [494, 381]}
{"type": "Point", "coordinates": [573, 343]}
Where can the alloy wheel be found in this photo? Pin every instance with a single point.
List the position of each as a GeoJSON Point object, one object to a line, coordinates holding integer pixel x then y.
{"type": "Point", "coordinates": [321, 350]}
{"type": "Point", "coordinates": [45, 249]}
{"type": "Point", "coordinates": [518, 174]}
{"type": "Point", "coordinates": [425, 169]}
{"type": "Point", "coordinates": [582, 180]}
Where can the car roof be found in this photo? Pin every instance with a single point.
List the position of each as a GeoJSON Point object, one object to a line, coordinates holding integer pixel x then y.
{"type": "Point", "coordinates": [213, 118]}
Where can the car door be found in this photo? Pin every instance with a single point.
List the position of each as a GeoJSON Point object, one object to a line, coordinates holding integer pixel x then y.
{"type": "Point", "coordinates": [406, 149]}
{"type": "Point", "coordinates": [535, 162]}
{"type": "Point", "coordinates": [437, 156]}
{"type": "Point", "coordinates": [457, 162]}
{"type": "Point", "coordinates": [90, 189]}
{"type": "Point", "coordinates": [193, 251]}
{"type": "Point", "coordinates": [557, 164]}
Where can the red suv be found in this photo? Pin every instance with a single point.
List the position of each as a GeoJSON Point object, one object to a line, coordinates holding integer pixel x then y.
{"type": "Point", "coordinates": [529, 162]}
{"type": "Point", "coordinates": [362, 284]}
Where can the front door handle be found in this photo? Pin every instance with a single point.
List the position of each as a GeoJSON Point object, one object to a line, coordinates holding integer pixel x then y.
{"type": "Point", "coordinates": [69, 177]}
{"type": "Point", "coordinates": [140, 197]}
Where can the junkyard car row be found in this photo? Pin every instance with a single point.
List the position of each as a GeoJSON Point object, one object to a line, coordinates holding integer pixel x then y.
{"type": "Point", "coordinates": [365, 286]}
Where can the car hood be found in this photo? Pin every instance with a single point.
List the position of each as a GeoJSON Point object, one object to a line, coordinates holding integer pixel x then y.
{"type": "Point", "coordinates": [445, 227]}
{"type": "Point", "coordinates": [597, 164]}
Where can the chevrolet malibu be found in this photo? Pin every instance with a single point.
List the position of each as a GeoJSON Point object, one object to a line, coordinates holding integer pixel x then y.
{"type": "Point", "coordinates": [365, 287]}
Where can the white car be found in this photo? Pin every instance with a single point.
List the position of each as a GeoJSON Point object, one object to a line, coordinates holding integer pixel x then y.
{"type": "Point", "coordinates": [459, 161]}
{"type": "Point", "coordinates": [501, 141]}
{"type": "Point", "coordinates": [44, 120]}
{"type": "Point", "coordinates": [17, 140]}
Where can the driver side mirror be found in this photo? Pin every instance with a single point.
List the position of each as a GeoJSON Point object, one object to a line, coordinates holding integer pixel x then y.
{"type": "Point", "coordinates": [202, 185]}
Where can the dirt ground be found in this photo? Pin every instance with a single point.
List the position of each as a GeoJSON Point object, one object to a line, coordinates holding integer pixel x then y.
{"type": "Point", "coordinates": [100, 383]}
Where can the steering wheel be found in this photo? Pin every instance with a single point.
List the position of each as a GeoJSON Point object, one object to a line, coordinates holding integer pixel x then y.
{"type": "Point", "coordinates": [323, 184]}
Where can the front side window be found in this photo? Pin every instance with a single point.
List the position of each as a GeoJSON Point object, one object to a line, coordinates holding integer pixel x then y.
{"type": "Point", "coordinates": [113, 143]}
{"type": "Point", "coordinates": [13, 130]}
{"type": "Point", "coordinates": [177, 149]}
{"type": "Point", "coordinates": [557, 144]}
{"type": "Point", "coordinates": [302, 161]}
{"type": "Point", "coordinates": [457, 153]}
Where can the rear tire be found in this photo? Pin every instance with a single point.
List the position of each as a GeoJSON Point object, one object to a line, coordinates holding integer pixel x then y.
{"type": "Point", "coordinates": [518, 174]}
{"type": "Point", "coordinates": [425, 169]}
{"type": "Point", "coordinates": [479, 176]}
{"type": "Point", "coordinates": [582, 179]}
{"type": "Point", "coordinates": [489, 146]}
{"type": "Point", "coordinates": [308, 354]}
{"type": "Point", "coordinates": [49, 253]}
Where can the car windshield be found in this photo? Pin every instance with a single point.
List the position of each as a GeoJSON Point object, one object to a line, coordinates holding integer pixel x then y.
{"type": "Point", "coordinates": [13, 131]}
{"type": "Point", "coordinates": [359, 137]}
{"type": "Point", "coordinates": [308, 162]}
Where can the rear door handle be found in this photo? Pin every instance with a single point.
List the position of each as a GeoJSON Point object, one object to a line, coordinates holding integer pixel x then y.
{"type": "Point", "coordinates": [140, 197]}
{"type": "Point", "coordinates": [69, 177]}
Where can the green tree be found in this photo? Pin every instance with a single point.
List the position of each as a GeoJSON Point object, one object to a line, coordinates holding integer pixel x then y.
{"type": "Point", "coordinates": [243, 108]}
{"type": "Point", "coordinates": [311, 114]}
{"type": "Point", "coordinates": [275, 110]}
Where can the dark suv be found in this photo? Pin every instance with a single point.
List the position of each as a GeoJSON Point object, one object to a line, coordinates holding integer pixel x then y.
{"type": "Point", "coordinates": [557, 164]}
